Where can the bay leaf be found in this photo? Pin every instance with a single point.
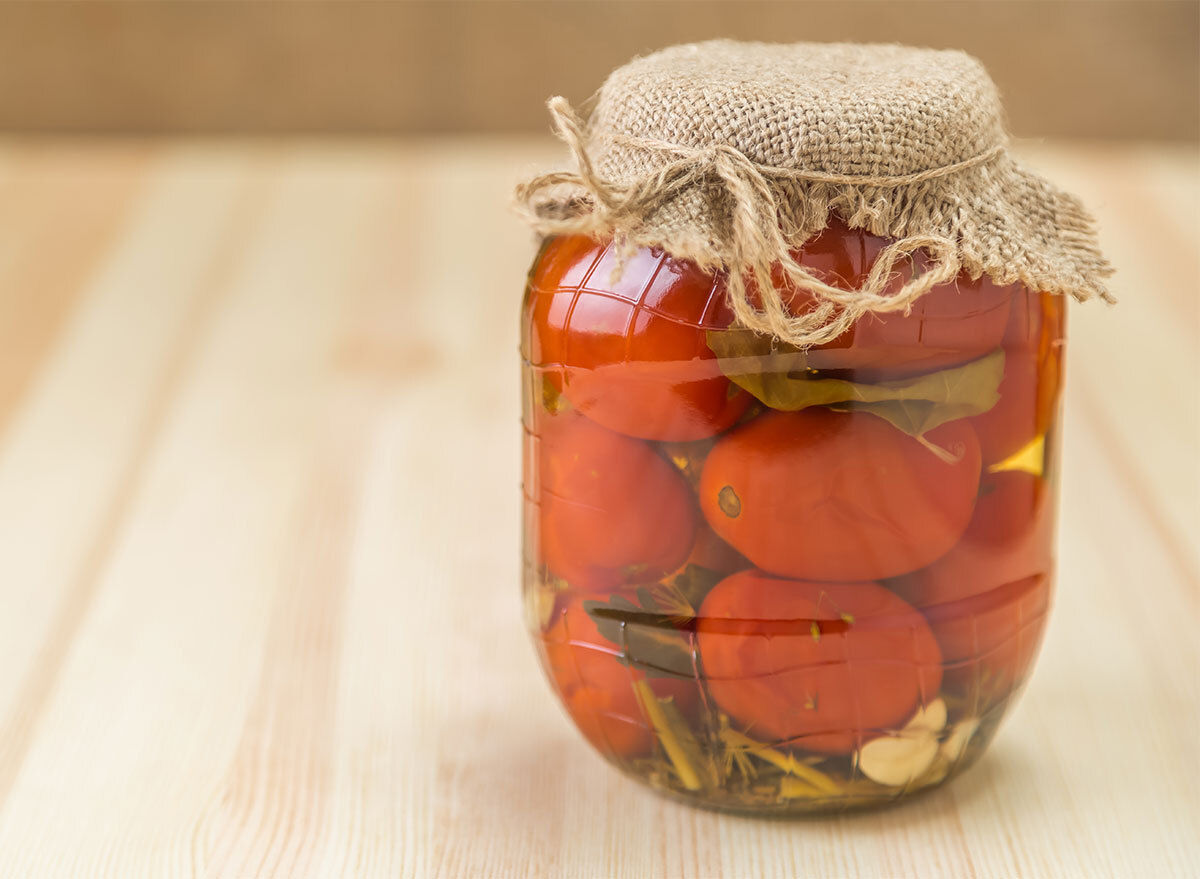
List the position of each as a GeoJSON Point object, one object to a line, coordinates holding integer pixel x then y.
{"type": "Point", "coordinates": [650, 637]}
{"type": "Point", "coordinates": [780, 376]}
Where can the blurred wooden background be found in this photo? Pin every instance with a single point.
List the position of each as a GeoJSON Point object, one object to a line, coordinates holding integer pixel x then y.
{"type": "Point", "coordinates": [1122, 69]}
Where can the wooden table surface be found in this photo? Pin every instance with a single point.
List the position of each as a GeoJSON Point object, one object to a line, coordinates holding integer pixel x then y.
{"type": "Point", "coordinates": [259, 611]}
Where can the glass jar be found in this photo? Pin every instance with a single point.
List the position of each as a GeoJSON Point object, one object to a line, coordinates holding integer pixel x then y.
{"type": "Point", "coordinates": [780, 581]}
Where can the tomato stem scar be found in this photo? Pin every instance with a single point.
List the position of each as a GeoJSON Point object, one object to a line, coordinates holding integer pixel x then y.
{"type": "Point", "coordinates": [729, 502]}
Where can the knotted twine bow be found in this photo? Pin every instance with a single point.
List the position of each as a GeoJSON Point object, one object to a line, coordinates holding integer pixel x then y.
{"type": "Point", "coordinates": [759, 230]}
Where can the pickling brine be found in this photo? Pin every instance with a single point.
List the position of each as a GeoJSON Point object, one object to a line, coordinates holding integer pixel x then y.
{"type": "Point", "coordinates": [773, 579]}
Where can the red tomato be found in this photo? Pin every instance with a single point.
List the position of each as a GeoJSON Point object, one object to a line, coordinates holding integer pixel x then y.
{"type": "Point", "coordinates": [1029, 391]}
{"type": "Point", "coordinates": [630, 351]}
{"type": "Point", "coordinates": [987, 598]}
{"type": "Point", "coordinates": [823, 495]}
{"type": "Point", "coordinates": [949, 325]}
{"type": "Point", "coordinates": [815, 666]}
{"type": "Point", "coordinates": [597, 689]}
{"type": "Point", "coordinates": [708, 551]}
{"type": "Point", "coordinates": [612, 510]}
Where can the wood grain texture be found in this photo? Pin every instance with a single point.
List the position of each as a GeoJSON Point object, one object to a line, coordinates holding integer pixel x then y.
{"type": "Point", "coordinates": [259, 486]}
{"type": "Point", "coordinates": [1067, 68]}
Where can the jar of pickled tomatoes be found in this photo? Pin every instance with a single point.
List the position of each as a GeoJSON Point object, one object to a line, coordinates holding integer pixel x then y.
{"type": "Point", "coordinates": [791, 424]}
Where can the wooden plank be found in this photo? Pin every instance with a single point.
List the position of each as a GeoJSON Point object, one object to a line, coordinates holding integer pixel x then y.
{"type": "Point", "coordinates": [258, 553]}
{"type": "Point", "coordinates": [67, 450]}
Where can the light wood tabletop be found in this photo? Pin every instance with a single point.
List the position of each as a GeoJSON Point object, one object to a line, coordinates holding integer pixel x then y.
{"type": "Point", "coordinates": [259, 485]}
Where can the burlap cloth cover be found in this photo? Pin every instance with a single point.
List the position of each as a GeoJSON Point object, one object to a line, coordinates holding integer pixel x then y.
{"type": "Point", "coordinates": [732, 154]}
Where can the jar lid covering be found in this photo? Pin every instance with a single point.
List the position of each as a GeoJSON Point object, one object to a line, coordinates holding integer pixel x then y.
{"type": "Point", "coordinates": [733, 154]}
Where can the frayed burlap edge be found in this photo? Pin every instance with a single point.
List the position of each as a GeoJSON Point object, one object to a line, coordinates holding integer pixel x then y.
{"type": "Point", "coordinates": [714, 206]}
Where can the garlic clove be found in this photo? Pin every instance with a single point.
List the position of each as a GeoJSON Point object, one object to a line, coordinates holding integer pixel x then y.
{"type": "Point", "coordinates": [897, 760]}
{"type": "Point", "coordinates": [960, 736]}
{"type": "Point", "coordinates": [930, 718]}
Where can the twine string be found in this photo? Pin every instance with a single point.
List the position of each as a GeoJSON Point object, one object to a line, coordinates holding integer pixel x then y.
{"type": "Point", "coordinates": [758, 245]}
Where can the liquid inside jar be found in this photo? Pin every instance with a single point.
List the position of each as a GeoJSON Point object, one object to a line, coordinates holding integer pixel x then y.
{"type": "Point", "coordinates": [771, 580]}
